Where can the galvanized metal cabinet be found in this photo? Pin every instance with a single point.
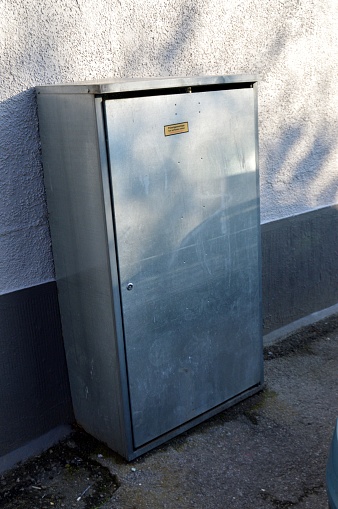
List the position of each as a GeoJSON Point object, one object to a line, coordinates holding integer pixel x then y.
{"type": "Point", "coordinates": [152, 189]}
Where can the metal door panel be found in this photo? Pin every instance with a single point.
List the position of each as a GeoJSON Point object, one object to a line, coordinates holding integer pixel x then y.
{"type": "Point", "coordinates": [186, 218]}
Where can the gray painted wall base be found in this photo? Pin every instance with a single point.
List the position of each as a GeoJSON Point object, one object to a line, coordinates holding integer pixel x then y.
{"type": "Point", "coordinates": [299, 267]}
{"type": "Point", "coordinates": [34, 447]}
{"type": "Point", "coordinates": [35, 395]}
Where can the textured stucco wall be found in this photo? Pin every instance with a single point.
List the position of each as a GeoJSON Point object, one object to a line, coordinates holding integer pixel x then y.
{"type": "Point", "coordinates": [292, 44]}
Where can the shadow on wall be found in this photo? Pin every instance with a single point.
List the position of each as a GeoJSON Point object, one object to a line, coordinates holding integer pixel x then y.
{"type": "Point", "coordinates": [298, 173]}
{"type": "Point", "coordinates": [166, 57]}
{"type": "Point", "coordinates": [25, 251]}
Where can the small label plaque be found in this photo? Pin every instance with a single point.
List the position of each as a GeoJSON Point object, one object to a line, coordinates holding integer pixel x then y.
{"type": "Point", "coordinates": [169, 130]}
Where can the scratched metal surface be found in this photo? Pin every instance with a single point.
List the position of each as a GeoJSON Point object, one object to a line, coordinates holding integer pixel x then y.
{"type": "Point", "coordinates": [187, 228]}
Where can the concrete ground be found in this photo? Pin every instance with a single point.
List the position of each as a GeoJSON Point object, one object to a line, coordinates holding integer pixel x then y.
{"type": "Point", "coordinates": [267, 452]}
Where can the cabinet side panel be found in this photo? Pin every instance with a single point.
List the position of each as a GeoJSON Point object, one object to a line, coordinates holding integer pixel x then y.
{"type": "Point", "coordinates": [73, 184]}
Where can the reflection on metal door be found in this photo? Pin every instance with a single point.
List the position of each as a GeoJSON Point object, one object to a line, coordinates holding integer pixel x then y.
{"type": "Point", "coordinates": [184, 180]}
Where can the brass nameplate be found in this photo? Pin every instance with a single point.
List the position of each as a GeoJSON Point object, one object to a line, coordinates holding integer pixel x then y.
{"type": "Point", "coordinates": [169, 130]}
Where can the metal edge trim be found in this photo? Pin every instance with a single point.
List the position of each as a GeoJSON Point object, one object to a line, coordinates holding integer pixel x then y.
{"type": "Point", "coordinates": [125, 416]}
{"type": "Point", "coordinates": [114, 85]}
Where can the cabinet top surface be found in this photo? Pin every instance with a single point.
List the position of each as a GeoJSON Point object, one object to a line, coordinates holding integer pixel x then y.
{"type": "Point", "coordinates": [113, 85]}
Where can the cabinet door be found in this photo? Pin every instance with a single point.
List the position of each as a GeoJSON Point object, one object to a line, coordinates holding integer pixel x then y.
{"type": "Point", "coordinates": [186, 209]}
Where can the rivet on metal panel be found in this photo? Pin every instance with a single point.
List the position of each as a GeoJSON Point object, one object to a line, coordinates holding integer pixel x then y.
{"type": "Point", "coordinates": [130, 286]}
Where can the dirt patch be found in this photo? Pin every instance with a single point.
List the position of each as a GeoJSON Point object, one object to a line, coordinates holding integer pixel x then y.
{"type": "Point", "coordinates": [66, 476]}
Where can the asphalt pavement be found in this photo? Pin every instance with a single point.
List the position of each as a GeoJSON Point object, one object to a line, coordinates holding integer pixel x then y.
{"type": "Point", "coordinates": [267, 452]}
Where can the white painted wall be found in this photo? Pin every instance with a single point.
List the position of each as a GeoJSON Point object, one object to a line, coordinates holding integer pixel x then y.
{"type": "Point", "coordinates": [292, 44]}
